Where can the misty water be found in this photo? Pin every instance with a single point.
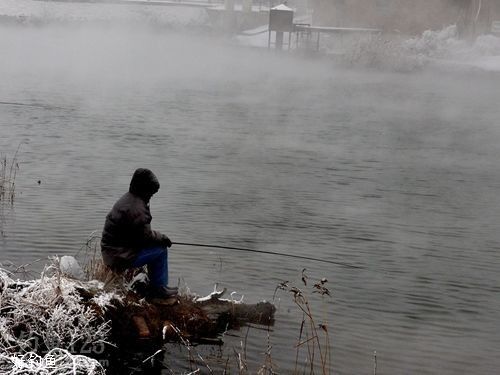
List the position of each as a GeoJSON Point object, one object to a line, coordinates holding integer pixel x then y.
{"type": "Point", "coordinates": [395, 173]}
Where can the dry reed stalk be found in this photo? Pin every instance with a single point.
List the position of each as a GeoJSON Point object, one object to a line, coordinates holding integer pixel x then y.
{"type": "Point", "coordinates": [8, 173]}
{"type": "Point", "coordinates": [192, 352]}
{"type": "Point", "coordinates": [268, 368]}
{"type": "Point", "coordinates": [94, 267]}
{"type": "Point", "coordinates": [309, 337]}
{"type": "Point", "coordinates": [310, 331]}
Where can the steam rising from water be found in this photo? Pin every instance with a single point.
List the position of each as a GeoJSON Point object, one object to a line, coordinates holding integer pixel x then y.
{"type": "Point", "coordinates": [394, 172]}
{"type": "Point", "coordinates": [118, 57]}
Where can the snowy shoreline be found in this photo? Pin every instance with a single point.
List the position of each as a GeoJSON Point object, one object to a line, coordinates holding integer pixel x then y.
{"type": "Point", "coordinates": [66, 320]}
{"type": "Point", "coordinates": [33, 12]}
{"type": "Point", "coordinates": [433, 49]}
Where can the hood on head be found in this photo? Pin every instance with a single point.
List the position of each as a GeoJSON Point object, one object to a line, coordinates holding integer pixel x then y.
{"type": "Point", "coordinates": [144, 183]}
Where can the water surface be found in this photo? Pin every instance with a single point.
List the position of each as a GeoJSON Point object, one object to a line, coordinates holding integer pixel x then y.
{"type": "Point", "coordinates": [396, 173]}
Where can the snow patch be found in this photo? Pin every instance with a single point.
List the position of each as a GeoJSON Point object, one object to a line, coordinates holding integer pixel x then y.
{"type": "Point", "coordinates": [27, 11]}
{"type": "Point", "coordinates": [444, 45]}
{"type": "Point", "coordinates": [46, 314]}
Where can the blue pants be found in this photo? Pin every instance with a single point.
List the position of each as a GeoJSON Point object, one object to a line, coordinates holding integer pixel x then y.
{"type": "Point", "coordinates": [156, 258]}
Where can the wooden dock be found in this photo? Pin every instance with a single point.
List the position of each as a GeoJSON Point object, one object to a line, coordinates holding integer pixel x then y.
{"type": "Point", "coordinates": [309, 30]}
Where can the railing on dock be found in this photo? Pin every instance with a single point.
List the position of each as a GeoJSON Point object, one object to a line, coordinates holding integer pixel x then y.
{"type": "Point", "coordinates": [305, 29]}
{"type": "Point", "coordinates": [495, 28]}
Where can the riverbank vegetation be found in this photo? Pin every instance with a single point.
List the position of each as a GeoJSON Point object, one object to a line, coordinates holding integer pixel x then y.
{"type": "Point", "coordinates": [44, 324]}
{"type": "Point", "coordinates": [59, 325]}
{"type": "Point", "coordinates": [8, 172]}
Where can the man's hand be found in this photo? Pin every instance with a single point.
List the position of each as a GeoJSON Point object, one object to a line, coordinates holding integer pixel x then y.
{"type": "Point", "coordinates": [166, 241]}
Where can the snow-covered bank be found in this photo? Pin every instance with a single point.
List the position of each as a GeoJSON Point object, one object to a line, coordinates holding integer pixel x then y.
{"type": "Point", "coordinates": [441, 49]}
{"type": "Point", "coordinates": [445, 48]}
{"type": "Point", "coordinates": [57, 324]}
{"type": "Point", "coordinates": [56, 361]}
{"type": "Point", "coordinates": [44, 321]}
{"type": "Point", "coordinates": [33, 11]}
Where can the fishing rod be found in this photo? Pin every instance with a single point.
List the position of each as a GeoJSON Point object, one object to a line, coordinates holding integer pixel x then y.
{"type": "Point", "coordinates": [267, 252]}
{"type": "Point", "coordinates": [44, 106]}
{"type": "Point", "coordinates": [15, 103]}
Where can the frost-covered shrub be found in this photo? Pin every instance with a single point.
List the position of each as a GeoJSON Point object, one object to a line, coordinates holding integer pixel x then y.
{"type": "Point", "coordinates": [487, 45]}
{"type": "Point", "coordinates": [56, 361]}
{"type": "Point", "coordinates": [49, 316]}
{"type": "Point", "coordinates": [382, 53]}
{"type": "Point", "coordinates": [397, 54]}
{"type": "Point", "coordinates": [434, 43]}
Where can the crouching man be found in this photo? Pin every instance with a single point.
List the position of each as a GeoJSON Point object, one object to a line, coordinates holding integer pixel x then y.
{"type": "Point", "coordinates": [128, 240]}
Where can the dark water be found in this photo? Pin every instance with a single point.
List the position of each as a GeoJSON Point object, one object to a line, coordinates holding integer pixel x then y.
{"type": "Point", "coordinates": [395, 173]}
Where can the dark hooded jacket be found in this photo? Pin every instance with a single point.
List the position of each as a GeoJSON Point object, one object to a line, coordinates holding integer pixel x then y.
{"type": "Point", "coordinates": [127, 229]}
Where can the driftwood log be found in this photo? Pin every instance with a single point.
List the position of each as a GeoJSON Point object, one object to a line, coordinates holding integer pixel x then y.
{"type": "Point", "coordinates": [200, 320]}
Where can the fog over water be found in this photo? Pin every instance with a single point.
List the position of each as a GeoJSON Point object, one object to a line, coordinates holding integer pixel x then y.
{"type": "Point", "coordinates": [396, 173]}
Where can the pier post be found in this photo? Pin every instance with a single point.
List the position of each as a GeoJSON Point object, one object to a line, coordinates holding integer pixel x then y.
{"type": "Point", "coordinates": [279, 40]}
{"type": "Point", "coordinates": [247, 6]}
{"type": "Point", "coordinates": [229, 5]}
{"type": "Point", "coordinates": [229, 17]}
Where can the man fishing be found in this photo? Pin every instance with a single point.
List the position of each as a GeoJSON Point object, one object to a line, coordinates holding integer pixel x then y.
{"type": "Point", "coordinates": [128, 240]}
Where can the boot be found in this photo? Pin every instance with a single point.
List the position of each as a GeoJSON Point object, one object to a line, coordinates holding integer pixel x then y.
{"type": "Point", "coordinates": [163, 296]}
{"type": "Point", "coordinates": [172, 289]}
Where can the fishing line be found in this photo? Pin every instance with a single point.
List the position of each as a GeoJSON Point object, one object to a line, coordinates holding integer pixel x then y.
{"type": "Point", "coordinates": [44, 106]}
{"type": "Point", "coordinates": [267, 252]}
